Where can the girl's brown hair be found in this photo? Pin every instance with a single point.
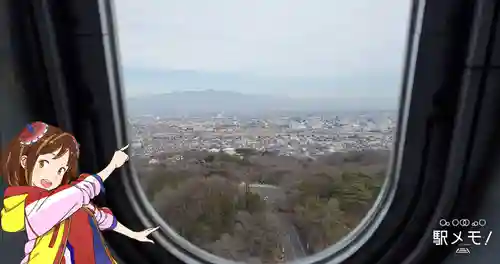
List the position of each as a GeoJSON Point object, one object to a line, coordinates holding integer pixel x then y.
{"type": "Point", "coordinates": [53, 139]}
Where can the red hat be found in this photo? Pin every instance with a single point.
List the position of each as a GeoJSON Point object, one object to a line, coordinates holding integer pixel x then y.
{"type": "Point", "coordinates": [33, 132]}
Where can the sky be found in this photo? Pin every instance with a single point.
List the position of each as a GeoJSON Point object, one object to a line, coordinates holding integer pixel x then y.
{"type": "Point", "coordinates": [301, 48]}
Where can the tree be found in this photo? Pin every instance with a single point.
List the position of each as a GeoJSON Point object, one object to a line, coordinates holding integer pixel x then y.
{"type": "Point", "coordinates": [203, 201]}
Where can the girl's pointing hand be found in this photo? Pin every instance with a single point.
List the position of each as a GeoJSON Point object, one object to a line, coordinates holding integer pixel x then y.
{"type": "Point", "coordinates": [120, 157]}
{"type": "Point", "coordinates": [143, 235]}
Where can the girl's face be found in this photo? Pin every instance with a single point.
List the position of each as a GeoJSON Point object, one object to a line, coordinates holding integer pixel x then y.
{"type": "Point", "coordinates": [48, 170]}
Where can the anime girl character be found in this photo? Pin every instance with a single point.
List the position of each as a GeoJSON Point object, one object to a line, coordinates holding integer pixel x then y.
{"type": "Point", "coordinates": [47, 200]}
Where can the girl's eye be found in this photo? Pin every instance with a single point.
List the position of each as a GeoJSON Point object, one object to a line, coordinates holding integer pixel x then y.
{"type": "Point", "coordinates": [42, 163]}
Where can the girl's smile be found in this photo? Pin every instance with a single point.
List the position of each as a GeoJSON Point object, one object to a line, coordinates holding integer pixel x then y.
{"type": "Point", "coordinates": [46, 183]}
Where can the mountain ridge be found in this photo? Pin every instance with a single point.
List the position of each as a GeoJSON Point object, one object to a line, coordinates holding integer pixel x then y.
{"type": "Point", "coordinates": [209, 101]}
{"type": "Point", "coordinates": [140, 82]}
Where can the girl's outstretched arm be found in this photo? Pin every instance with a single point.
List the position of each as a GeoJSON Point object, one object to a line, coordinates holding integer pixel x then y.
{"type": "Point", "coordinates": [141, 236]}
{"type": "Point", "coordinates": [107, 221]}
{"type": "Point", "coordinates": [103, 216]}
{"type": "Point", "coordinates": [46, 209]}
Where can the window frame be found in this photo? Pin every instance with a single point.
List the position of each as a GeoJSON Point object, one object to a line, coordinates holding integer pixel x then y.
{"type": "Point", "coordinates": [89, 93]}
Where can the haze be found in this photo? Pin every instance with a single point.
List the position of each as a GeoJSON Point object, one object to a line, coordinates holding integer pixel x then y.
{"type": "Point", "coordinates": [297, 48]}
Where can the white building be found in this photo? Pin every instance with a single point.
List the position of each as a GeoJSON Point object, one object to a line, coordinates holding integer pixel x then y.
{"type": "Point", "coordinates": [296, 125]}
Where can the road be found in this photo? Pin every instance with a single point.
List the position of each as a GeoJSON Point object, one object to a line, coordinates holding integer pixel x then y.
{"type": "Point", "coordinates": [293, 247]}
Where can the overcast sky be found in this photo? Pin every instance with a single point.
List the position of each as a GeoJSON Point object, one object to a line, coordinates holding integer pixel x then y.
{"type": "Point", "coordinates": [280, 41]}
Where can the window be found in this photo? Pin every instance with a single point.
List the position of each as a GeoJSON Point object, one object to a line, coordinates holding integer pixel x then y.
{"type": "Point", "coordinates": [261, 131]}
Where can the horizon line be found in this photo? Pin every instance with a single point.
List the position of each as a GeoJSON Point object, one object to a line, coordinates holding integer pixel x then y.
{"type": "Point", "coordinates": [257, 94]}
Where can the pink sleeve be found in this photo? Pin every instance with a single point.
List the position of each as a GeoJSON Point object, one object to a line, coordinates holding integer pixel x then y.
{"type": "Point", "coordinates": [46, 211]}
{"type": "Point", "coordinates": [104, 217]}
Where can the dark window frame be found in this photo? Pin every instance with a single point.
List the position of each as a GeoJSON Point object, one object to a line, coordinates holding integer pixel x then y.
{"type": "Point", "coordinates": [80, 69]}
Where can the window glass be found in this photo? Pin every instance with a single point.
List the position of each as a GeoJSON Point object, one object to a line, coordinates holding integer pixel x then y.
{"type": "Point", "coordinates": [261, 130]}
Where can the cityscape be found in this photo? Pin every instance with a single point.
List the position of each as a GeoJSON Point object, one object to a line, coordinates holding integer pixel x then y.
{"type": "Point", "coordinates": [163, 148]}
{"type": "Point", "coordinates": [263, 140]}
{"type": "Point", "coordinates": [301, 136]}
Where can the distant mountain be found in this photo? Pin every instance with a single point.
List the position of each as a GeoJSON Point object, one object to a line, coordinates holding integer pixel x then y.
{"type": "Point", "coordinates": [211, 101]}
{"type": "Point", "coordinates": [372, 84]}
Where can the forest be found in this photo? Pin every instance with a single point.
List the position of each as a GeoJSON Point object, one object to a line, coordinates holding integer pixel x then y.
{"type": "Point", "coordinates": [248, 206]}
